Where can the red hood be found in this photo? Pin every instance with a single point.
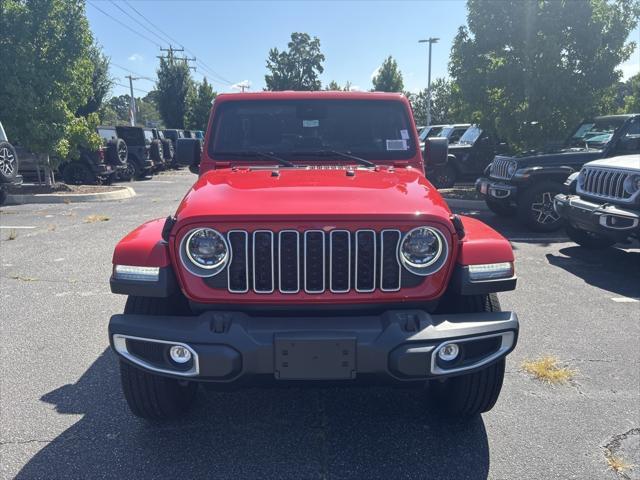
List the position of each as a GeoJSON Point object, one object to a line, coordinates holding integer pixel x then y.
{"type": "Point", "coordinates": [383, 194]}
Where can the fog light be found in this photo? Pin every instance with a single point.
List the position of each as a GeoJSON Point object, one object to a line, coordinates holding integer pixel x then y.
{"type": "Point", "coordinates": [132, 272]}
{"type": "Point", "coordinates": [448, 352]}
{"type": "Point", "coordinates": [180, 354]}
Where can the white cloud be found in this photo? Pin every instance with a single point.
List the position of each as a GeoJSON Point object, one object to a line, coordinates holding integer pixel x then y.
{"type": "Point", "coordinates": [355, 88]}
{"type": "Point", "coordinates": [374, 73]}
{"type": "Point", "coordinates": [135, 57]}
{"type": "Point", "coordinates": [243, 85]}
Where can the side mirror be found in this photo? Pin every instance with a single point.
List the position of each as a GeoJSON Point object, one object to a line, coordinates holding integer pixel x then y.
{"type": "Point", "coordinates": [188, 152]}
{"type": "Point", "coordinates": [436, 151]}
{"type": "Point", "coordinates": [628, 145]}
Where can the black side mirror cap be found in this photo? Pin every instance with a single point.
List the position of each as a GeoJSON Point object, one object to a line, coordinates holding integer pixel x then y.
{"type": "Point", "coordinates": [436, 151]}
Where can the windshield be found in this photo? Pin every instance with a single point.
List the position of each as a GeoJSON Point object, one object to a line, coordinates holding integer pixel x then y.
{"type": "Point", "coordinates": [595, 133]}
{"type": "Point", "coordinates": [470, 136]}
{"type": "Point", "coordinates": [375, 129]}
{"type": "Point", "coordinates": [429, 132]}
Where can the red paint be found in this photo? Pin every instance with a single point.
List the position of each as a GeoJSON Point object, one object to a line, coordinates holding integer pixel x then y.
{"type": "Point", "coordinates": [482, 244]}
{"type": "Point", "coordinates": [143, 247]}
{"type": "Point", "coordinates": [395, 195]}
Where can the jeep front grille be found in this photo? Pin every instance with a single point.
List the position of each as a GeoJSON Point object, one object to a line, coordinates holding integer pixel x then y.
{"type": "Point", "coordinates": [500, 168]}
{"type": "Point", "coordinates": [313, 261]}
{"type": "Point", "coordinates": [603, 183]}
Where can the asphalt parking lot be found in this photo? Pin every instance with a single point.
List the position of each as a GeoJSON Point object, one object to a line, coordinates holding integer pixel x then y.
{"type": "Point", "coordinates": [63, 415]}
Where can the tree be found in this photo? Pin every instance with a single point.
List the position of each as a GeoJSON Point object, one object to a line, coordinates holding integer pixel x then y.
{"type": "Point", "coordinates": [174, 88]}
{"type": "Point", "coordinates": [298, 67]}
{"type": "Point", "coordinates": [333, 85]}
{"type": "Point", "coordinates": [446, 105]}
{"type": "Point", "coordinates": [101, 82]}
{"type": "Point", "coordinates": [201, 106]}
{"type": "Point", "coordinates": [632, 100]}
{"type": "Point", "coordinates": [388, 78]}
{"type": "Point", "coordinates": [545, 61]}
{"type": "Point", "coordinates": [116, 110]}
{"type": "Point", "coordinates": [46, 74]}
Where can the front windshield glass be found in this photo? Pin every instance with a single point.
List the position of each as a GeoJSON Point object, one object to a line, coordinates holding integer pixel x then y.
{"type": "Point", "coordinates": [470, 136]}
{"type": "Point", "coordinates": [429, 132]}
{"type": "Point", "coordinates": [371, 129]}
{"type": "Point", "coordinates": [594, 133]}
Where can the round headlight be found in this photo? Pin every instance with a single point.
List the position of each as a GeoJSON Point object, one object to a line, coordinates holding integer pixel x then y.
{"type": "Point", "coordinates": [205, 249]}
{"type": "Point", "coordinates": [511, 169]}
{"type": "Point", "coordinates": [421, 249]}
{"type": "Point", "coordinates": [632, 184]}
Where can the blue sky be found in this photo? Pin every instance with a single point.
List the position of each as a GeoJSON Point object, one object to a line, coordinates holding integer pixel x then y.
{"type": "Point", "coordinates": [231, 40]}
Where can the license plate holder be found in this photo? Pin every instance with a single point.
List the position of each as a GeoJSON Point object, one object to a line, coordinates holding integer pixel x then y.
{"type": "Point", "coordinates": [315, 357]}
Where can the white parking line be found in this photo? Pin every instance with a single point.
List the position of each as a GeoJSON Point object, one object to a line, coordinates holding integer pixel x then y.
{"type": "Point", "coordinates": [538, 239]}
{"type": "Point", "coordinates": [625, 299]}
{"type": "Point", "coordinates": [9, 227]}
{"type": "Point", "coordinates": [156, 181]}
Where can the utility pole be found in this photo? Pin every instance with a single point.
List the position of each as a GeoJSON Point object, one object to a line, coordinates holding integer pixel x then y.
{"type": "Point", "coordinates": [170, 56]}
{"type": "Point", "coordinates": [132, 102]}
{"type": "Point", "coordinates": [430, 41]}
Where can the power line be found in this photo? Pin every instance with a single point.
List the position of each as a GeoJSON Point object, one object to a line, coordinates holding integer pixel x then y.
{"type": "Point", "coordinates": [142, 77]}
{"type": "Point", "coordinates": [125, 25]}
{"type": "Point", "coordinates": [127, 86]}
{"type": "Point", "coordinates": [136, 21]}
{"type": "Point", "coordinates": [200, 63]}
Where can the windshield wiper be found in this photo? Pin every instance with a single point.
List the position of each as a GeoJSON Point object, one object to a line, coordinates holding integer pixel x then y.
{"type": "Point", "coordinates": [336, 153]}
{"type": "Point", "coordinates": [256, 153]}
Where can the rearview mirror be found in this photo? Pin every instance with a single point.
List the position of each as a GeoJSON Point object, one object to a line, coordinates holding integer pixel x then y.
{"type": "Point", "coordinates": [188, 151]}
{"type": "Point", "coordinates": [435, 151]}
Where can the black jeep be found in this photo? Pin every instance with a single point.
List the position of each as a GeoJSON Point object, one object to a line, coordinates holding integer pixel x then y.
{"type": "Point", "coordinates": [100, 165]}
{"type": "Point", "coordinates": [139, 163]}
{"type": "Point", "coordinates": [168, 150]}
{"type": "Point", "coordinates": [8, 166]}
{"type": "Point", "coordinates": [469, 154]}
{"type": "Point", "coordinates": [172, 135]}
{"type": "Point", "coordinates": [526, 184]}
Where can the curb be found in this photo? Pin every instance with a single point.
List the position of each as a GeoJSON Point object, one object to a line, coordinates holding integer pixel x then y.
{"type": "Point", "coordinates": [121, 194]}
{"type": "Point", "coordinates": [467, 204]}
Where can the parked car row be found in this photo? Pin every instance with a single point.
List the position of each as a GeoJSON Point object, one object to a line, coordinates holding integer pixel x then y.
{"type": "Point", "coordinates": [126, 153]}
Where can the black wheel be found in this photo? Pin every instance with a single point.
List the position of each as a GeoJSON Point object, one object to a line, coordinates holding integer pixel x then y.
{"type": "Point", "coordinates": [77, 173]}
{"type": "Point", "coordinates": [502, 208]}
{"type": "Point", "coordinates": [8, 162]}
{"type": "Point", "coordinates": [474, 393]}
{"type": "Point", "coordinates": [157, 151]}
{"type": "Point", "coordinates": [587, 239]}
{"type": "Point", "coordinates": [117, 151]}
{"type": "Point", "coordinates": [535, 207]}
{"type": "Point", "coordinates": [126, 174]}
{"type": "Point", "coordinates": [150, 396]}
{"type": "Point", "coordinates": [443, 177]}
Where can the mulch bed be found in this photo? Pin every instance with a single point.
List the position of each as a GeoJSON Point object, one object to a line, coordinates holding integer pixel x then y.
{"type": "Point", "coordinates": [61, 188]}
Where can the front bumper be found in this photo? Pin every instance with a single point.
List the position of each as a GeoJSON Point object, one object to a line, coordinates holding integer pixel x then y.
{"type": "Point", "coordinates": [499, 189]}
{"type": "Point", "coordinates": [234, 347]}
{"type": "Point", "coordinates": [612, 221]}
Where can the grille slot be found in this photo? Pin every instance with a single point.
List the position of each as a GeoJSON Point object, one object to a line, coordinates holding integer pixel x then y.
{"type": "Point", "coordinates": [289, 258]}
{"type": "Point", "coordinates": [313, 261]}
{"type": "Point", "coordinates": [263, 254]}
{"type": "Point", "coordinates": [389, 266]}
{"type": "Point", "coordinates": [607, 184]}
{"type": "Point", "coordinates": [365, 264]}
{"type": "Point", "coordinates": [500, 169]}
{"type": "Point", "coordinates": [340, 261]}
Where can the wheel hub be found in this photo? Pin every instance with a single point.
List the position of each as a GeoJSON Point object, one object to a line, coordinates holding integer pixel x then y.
{"type": "Point", "coordinates": [543, 209]}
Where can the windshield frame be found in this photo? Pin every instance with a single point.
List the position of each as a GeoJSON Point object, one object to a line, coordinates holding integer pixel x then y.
{"type": "Point", "coordinates": [387, 156]}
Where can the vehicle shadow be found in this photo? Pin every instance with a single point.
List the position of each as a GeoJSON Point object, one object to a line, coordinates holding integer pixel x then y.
{"type": "Point", "coordinates": [612, 269]}
{"type": "Point", "coordinates": [282, 433]}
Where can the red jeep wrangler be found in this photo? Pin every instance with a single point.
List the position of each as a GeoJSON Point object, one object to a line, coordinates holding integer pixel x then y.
{"type": "Point", "coordinates": [312, 248]}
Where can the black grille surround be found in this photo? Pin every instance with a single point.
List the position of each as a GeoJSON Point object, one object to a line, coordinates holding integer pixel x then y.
{"type": "Point", "coordinates": [313, 261]}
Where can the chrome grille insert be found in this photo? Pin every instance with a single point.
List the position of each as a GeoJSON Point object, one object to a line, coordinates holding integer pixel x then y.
{"type": "Point", "coordinates": [289, 261]}
{"type": "Point", "coordinates": [500, 169]}
{"type": "Point", "coordinates": [314, 261]}
{"type": "Point", "coordinates": [390, 271]}
{"type": "Point", "coordinates": [263, 264]}
{"type": "Point", "coordinates": [365, 264]}
{"type": "Point", "coordinates": [340, 261]}
{"type": "Point", "coordinates": [604, 183]}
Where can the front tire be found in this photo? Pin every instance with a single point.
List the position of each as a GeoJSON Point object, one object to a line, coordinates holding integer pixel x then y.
{"type": "Point", "coordinates": [151, 396]}
{"type": "Point", "coordinates": [77, 173]}
{"type": "Point", "coordinates": [444, 177]}
{"type": "Point", "coordinates": [588, 239]}
{"type": "Point", "coordinates": [466, 396]}
{"type": "Point", "coordinates": [535, 207]}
